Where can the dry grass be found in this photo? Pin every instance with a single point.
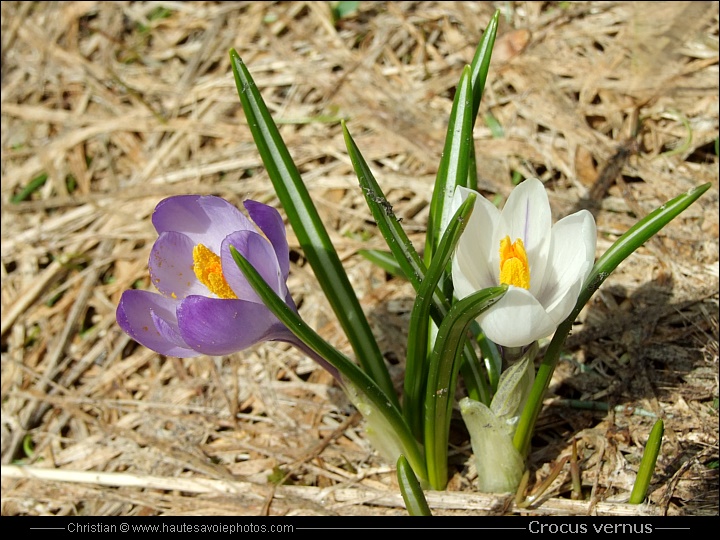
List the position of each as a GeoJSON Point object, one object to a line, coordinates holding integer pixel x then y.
{"type": "Point", "coordinates": [122, 104]}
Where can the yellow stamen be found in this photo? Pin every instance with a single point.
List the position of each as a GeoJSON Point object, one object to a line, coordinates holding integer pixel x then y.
{"type": "Point", "coordinates": [514, 267]}
{"type": "Point", "coordinates": [208, 269]}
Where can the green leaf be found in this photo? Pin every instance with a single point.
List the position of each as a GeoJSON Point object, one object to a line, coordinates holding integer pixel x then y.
{"type": "Point", "coordinates": [358, 378]}
{"type": "Point", "coordinates": [647, 464]}
{"type": "Point", "coordinates": [481, 62]}
{"type": "Point", "coordinates": [453, 167]}
{"type": "Point", "coordinates": [343, 9]}
{"type": "Point", "coordinates": [309, 229]}
{"type": "Point", "coordinates": [635, 237]}
{"type": "Point", "coordinates": [498, 464]}
{"type": "Point", "coordinates": [411, 490]}
{"type": "Point", "coordinates": [409, 261]}
{"type": "Point", "coordinates": [400, 246]}
{"type": "Point", "coordinates": [416, 364]}
{"type": "Point", "coordinates": [493, 360]}
{"type": "Point", "coordinates": [34, 184]}
{"type": "Point", "coordinates": [479, 68]}
{"type": "Point", "coordinates": [383, 259]}
{"type": "Point", "coordinates": [442, 378]}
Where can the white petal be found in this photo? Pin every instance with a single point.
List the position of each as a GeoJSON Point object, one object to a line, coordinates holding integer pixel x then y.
{"type": "Point", "coordinates": [516, 320]}
{"type": "Point", "coordinates": [526, 215]}
{"type": "Point", "coordinates": [563, 305]}
{"type": "Point", "coordinates": [470, 268]}
{"type": "Point", "coordinates": [572, 254]}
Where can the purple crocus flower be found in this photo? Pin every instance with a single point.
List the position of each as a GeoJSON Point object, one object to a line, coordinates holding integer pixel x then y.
{"type": "Point", "coordinates": [205, 305]}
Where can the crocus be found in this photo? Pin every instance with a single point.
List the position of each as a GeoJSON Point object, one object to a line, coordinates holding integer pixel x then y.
{"type": "Point", "coordinates": [205, 305]}
{"type": "Point", "coordinates": [544, 265]}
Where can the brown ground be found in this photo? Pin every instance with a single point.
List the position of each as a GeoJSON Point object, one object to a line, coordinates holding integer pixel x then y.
{"type": "Point", "coordinates": [122, 104]}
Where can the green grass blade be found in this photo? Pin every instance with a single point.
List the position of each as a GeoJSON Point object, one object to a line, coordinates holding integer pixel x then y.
{"type": "Point", "coordinates": [34, 184]}
{"type": "Point", "coordinates": [442, 377]}
{"type": "Point", "coordinates": [309, 229]}
{"type": "Point", "coordinates": [343, 364]}
{"type": "Point", "coordinates": [411, 490]}
{"type": "Point", "coordinates": [635, 237]}
{"type": "Point", "coordinates": [647, 464]}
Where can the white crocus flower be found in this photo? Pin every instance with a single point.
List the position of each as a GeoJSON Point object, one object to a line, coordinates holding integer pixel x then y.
{"type": "Point", "coordinates": [545, 265]}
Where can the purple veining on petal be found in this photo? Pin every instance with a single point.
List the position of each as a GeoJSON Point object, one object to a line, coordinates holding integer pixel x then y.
{"type": "Point", "coordinates": [260, 254]}
{"type": "Point", "coordinates": [186, 321]}
{"type": "Point", "coordinates": [168, 330]}
{"type": "Point", "coordinates": [270, 222]}
{"type": "Point", "coordinates": [136, 314]}
{"type": "Point", "coordinates": [218, 327]}
{"type": "Point", "coordinates": [204, 219]}
{"type": "Point", "coordinates": [171, 266]}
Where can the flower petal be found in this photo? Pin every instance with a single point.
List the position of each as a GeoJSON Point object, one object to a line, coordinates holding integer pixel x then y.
{"type": "Point", "coordinates": [258, 251]}
{"type": "Point", "coordinates": [527, 215]}
{"type": "Point", "coordinates": [516, 320]}
{"type": "Point", "coordinates": [270, 222]}
{"type": "Point", "coordinates": [204, 219]}
{"type": "Point", "coordinates": [171, 266]}
{"type": "Point", "coordinates": [471, 269]}
{"type": "Point", "coordinates": [137, 314]}
{"type": "Point", "coordinates": [218, 327]}
{"type": "Point", "coordinates": [571, 258]}
{"type": "Point", "coordinates": [564, 304]}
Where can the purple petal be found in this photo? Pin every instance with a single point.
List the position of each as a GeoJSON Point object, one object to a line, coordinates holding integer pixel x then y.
{"type": "Point", "coordinates": [258, 251]}
{"type": "Point", "coordinates": [204, 219]}
{"type": "Point", "coordinates": [218, 327]}
{"type": "Point", "coordinates": [169, 330]}
{"type": "Point", "coordinates": [270, 222]}
{"type": "Point", "coordinates": [137, 314]}
{"type": "Point", "coordinates": [171, 266]}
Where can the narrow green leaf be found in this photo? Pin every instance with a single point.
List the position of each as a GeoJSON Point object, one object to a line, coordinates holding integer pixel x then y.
{"type": "Point", "coordinates": [400, 245]}
{"type": "Point", "coordinates": [496, 130]}
{"type": "Point", "coordinates": [472, 182]}
{"type": "Point", "coordinates": [341, 10]}
{"type": "Point", "coordinates": [481, 62]}
{"type": "Point", "coordinates": [408, 259]}
{"type": "Point", "coordinates": [647, 464]}
{"type": "Point", "coordinates": [493, 360]}
{"type": "Point", "coordinates": [416, 364]}
{"type": "Point", "coordinates": [308, 227]}
{"type": "Point", "coordinates": [411, 490]}
{"type": "Point", "coordinates": [34, 184]}
{"type": "Point", "coordinates": [453, 167]}
{"type": "Point", "coordinates": [385, 260]}
{"type": "Point", "coordinates": [342, 363]}
{"type": "Point", "coordinates": [442, 378]}
{"type": "Point", "coordinates": [635, 237]}
{"type": "Point", "coordinates": [479, 68]}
